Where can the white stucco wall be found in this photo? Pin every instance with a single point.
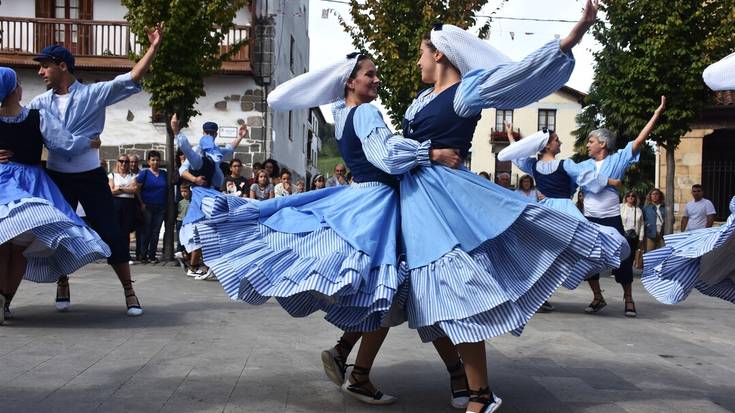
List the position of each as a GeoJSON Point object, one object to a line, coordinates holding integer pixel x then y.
{"type": "Point", "coordinates": [108, 10]}
{"type": "Point", "coordinates": [526, 119]}
{"type": "Point", "coordinates": [18, 8]}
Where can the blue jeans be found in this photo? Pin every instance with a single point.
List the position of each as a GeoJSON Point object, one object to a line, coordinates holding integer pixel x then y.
{"type": "Point", "coordinates": [154, 216]}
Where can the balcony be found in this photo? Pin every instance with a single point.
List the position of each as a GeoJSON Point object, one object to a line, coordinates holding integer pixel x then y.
{"type": "Point", "coordinates": [96, 44]}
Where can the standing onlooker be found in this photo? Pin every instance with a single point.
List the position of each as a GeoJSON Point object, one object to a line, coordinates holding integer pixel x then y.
{"type": "Point", "coordinates": [284, 188]}
{"type": "Point", "coordinates": [139, 218]}
{"type": "Point", "coordinates": [580, 201]}
{"type": "Point", "coordinates": [234, 183]}
{"type": "Point", "coordinates": [653, 219]}
{"type": "Point", "coordinates": [273, 170]}
{"type": "Point", "coordinates": [339, 176]}
{"type": "Point", "coordinates": [632, 217]}
{"type": "Point", "coordinates": [699, 213]}
{"type": "Point", "coordinates": [152, 190]}
{"type": "Point", "coordinates": [527, 189]}
{"type": "Point", "coordinates": [484, 175]}
{"type": "Point", "coordinates": [504, 180]}
{"type": "Point", "coordinates": [262, 189]}
{"type": "Point", "coordinates": [319, 182]}
{"type": "Point", "coordinates": [123, 186]}
{"type": "Point", "coordinates": [182, 209]}
{"type": "Point", "coordinates": [253, 178]}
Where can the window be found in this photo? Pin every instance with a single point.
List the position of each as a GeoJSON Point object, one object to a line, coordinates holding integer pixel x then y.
{"type": "Point", "coordinates": [291, 53]}
{"type": "Point", "coordinates": [547, 119]}
{"type": "Point", "coordinates": [502, 115]}
{"type": "Point", "coordinates": [290, 125]}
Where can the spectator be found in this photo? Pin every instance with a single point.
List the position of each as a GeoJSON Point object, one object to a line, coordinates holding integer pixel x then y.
{"type": "Point", "coordinates": [632, 217]}
{"type": "Point", "coordinates": [152, 190]}
{"type": "Point", "coordinates": [484, 175]}
{"type": "Point", "coordinates": [139, 216]}
{"type": "Point", "coordinates": [527, 189]}
{"type": "Point", "coordinates": [318, 183]}
{"type": "Point", "coordinates": [504, 180]}
{"type": "Point", "coordinates": [134, 164]}
{"type": "Point", "coordinates": [272, 169]}
{"type": "Point", "coordinates": [123, 186]}
{"type": "Point", "coordinates": [234, 183]}
{"type": "Point", "coordinates": [300, 187]}
{"type": "Point", "coordinates": [284, 188]}
{"type": "Point", "coordinates": [339, 176]}
{"type": "Point", "coordinates": [262, 189]}
{"type": "Point", "coordinates": [256, 167]}
{"type": "Point", "coordinates": [580, 201]}
{"type": "Point", "coordinates": [699, 213]}
{"type": "Point", "coordinates": [653, 219]}
{"type": "Point", "coordinates": [182, 208]}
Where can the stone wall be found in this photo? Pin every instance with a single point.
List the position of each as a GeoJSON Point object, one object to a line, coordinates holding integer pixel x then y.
{"type": "Point", "coordinates": [688, 168]}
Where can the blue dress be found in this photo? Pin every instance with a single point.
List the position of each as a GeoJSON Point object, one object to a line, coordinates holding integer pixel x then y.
{"type": "Point", "coordinates": [701, 259]}
{"type": "Point", "coordinates": [33, 209]}
{"type": "Point", "coordinates": [558, 180]}
{"type": "Point", "coordinates": [481, 258]}
{"type": "Point", "coordinates": [333, 249]}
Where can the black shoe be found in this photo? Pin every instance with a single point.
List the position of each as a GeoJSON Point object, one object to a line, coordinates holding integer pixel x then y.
{"type": "Point", "coordinates": [489, 400]}
{"type": "Point", "coordinates": [595, 306]}
{"type": "Point", "coordinates": [546, 307]}
{"type": "Point", "coordinates": [63, 295]}
{"type": "Point", "coordinates": [361, 392]}
{"type": "Point", "coordinates": [460, 396]}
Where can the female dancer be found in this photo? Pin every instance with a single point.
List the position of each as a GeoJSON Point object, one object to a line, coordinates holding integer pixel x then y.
{"type": "Point", "coordinates": [700, 259]}
{"type": "Point", "coordinates": [41, 237]}
{"type": "Point", "coordinates": [333, 249]}
{"type": "Point", "coordinates": [557, 180]}
{"type": "Point", "coordinates": [475, 281]}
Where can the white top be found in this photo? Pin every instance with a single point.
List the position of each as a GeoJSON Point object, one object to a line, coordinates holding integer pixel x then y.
{"type": "Point", "coordinates": [632, 219]}
{"type": "Point", "coordinates": [697, 213]}
{"type": "Point", "coordinates": [122, 181]}
{"type": "Point", "coordinates": [280, 190]}
{"type": "Point", "coordinates": [604, 204]}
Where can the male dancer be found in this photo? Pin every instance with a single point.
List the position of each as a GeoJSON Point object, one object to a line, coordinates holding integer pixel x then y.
{"type": "Point", "coordinates": [81, 108]}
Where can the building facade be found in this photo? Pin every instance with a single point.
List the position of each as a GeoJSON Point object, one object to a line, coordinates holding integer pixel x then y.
{"type": "Point", "coordinates": [97, 33]}
{"type": "Point", "coordinates": [557, 112]}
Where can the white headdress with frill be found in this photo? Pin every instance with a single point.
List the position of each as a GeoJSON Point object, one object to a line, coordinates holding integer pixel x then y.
{"type": "Point", "coordinates": [721, 75]}
{"type": "Point", "coordinates": [525, 148]}
{"type": "Point", "coordinates": [466, 51]}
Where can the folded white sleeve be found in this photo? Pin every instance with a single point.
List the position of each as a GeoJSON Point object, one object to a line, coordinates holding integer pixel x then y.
{"type": "Point", "coordinates": [525, 148]}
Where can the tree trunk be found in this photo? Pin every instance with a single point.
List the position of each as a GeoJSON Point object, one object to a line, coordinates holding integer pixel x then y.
{"type": "Point", "coordinates": [168, 237]}
{"type": "Point", "coordinates": [670, 169]}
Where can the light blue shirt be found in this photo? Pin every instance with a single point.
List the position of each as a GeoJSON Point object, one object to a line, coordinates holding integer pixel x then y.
{"type": "Point", "coordinates": [588, 179]}
{"type": "Point", "coordinates": [55, 136]}
{"type": "Point", "coordinates": [194, 159]}
{"type": "Point", "coordinates": [614, 165]}
{"type": "Point", "coordinates": [84, 118]}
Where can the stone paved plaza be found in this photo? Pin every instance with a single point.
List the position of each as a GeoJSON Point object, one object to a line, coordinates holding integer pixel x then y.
{"type": "Point", "coordinates": [196, 351]}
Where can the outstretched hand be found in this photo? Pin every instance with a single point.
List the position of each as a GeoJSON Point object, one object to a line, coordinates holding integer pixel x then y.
{"type": "Point", "coordinates": [155, 34]}
{"type": "Point", "coordinates": [175, 126]}
{"type": "Point", "coordinates": [590, 12]}
{"type": "Point", "coordinates": [509, 130]}
{"type": "Point", "coordinates": [662, 106]}
{"type": "Point", "coordinates": [95, 143]}
{"type": "Point", "coordinates": [589, 16]}
{"type": "Point", "coordinates": [243, 132]}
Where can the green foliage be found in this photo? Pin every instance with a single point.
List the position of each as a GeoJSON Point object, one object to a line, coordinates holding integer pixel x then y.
{"type": "Point", "coordinates": [190, 50]}
{"type": "Point", "coordinates": [652, 48]}
{"type": "Point", "coordinates": [391, 32]}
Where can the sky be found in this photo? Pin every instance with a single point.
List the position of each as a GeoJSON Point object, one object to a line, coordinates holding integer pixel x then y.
{"type": "Point", "coordinates": [515, 38]}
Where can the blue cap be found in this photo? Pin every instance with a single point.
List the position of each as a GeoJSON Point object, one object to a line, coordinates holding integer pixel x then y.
{"type": "Point", "coordinates": [8, 82]}
{"type": "Point", "coordinates": [210, 127]}
{"type": "Point", "coordinates": [57, 54]}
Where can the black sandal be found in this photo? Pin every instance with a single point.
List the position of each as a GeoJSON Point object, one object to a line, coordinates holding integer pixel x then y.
{"type": "Point", "coordinates": [63, 294]}
{"type": "Point", "coordinates": [596, 305]}
{"type": "Point", "coordinates": [334, 362]}
{"type": "Point", "coordinates": [490, 402]}
{"type": "Point", "coordinates": [134, 308]}
{"type": "Point", "coordinates": [359, 391]}
{"type": "Point", "coordinates": [630, 308]}
{"type": "Point", "coordinates": [461, 396]}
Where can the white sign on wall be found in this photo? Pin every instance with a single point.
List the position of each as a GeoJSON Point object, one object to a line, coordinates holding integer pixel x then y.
{"type": "Point", "coordinates": [227, 132]}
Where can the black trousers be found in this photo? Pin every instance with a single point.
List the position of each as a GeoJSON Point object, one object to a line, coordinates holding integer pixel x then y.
{"type": "Point", "coordinates": [624, 274]}
{"type": "Point", "coordinates": [92, 190]}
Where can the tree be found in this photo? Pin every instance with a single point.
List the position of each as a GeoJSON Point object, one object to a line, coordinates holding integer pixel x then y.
{"type": "Point", "coordinates": [391, 32]}
{"type": "Point", "coordinates": [652, 48]}
{"type": "Point", "coordinates": [190, 52]}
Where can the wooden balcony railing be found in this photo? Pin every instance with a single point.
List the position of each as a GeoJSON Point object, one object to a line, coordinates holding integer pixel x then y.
{"type": "Point", "coordinates": [89, 38]}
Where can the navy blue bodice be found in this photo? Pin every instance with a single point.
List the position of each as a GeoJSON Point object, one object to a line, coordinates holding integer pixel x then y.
{"type": "Point", "coordinates": [23, 138]}
{"type": "Point", "coordinates": [554, 185]}
{"type": "Point", "coordinates": [350, 147]}
{"type": "Point", "coordinates": [438, 122]}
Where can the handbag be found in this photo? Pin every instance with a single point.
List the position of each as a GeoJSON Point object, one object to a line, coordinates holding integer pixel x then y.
{"type": "Point", "coordinates": [632, 233]}
{"type": "Point", "coordinates": [638, 260]}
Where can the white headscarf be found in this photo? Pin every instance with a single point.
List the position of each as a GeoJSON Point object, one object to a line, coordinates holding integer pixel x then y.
{"type": "Point", "coordinates": [314, 88]}
{"type": "Point", "coordinates": [721, 75]}
{"type": "Point", "coordinates": [466, 51]}
{"type": "Point", "coordinates": [525, 148]}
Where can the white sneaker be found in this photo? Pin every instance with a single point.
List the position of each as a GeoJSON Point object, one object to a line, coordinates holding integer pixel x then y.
{"type": "Point", "coordinates": [205, 275]}
{"type": "Point", "coordinates": [179, 255]}
{"type": "Point", "coordinates": [195, 272]}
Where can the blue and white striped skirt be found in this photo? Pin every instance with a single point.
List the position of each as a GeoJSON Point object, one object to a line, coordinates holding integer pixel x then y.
{"type": "Point", "coordinates": [703, 259]}
{"type": "Point", "coordinates": [33, 210]}
{"type": "Point", "coordinates": [329, 250]}
{"type": "Point", "coordinates": [489, 258]}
